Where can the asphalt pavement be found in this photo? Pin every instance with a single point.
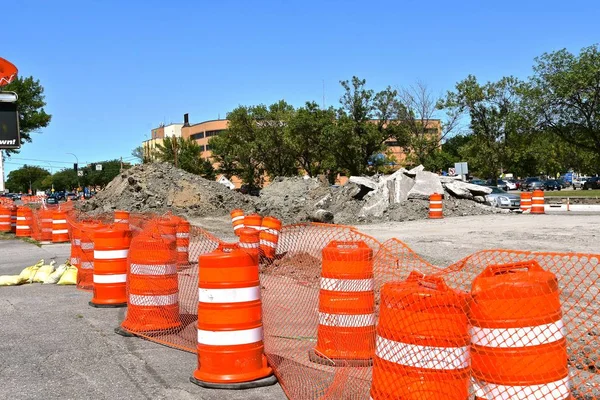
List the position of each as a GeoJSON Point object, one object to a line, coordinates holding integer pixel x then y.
{"type": "Point", "coordinates": [55, 346]}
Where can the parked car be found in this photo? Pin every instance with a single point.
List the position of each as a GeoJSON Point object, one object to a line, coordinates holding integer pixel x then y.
{"type": "Point", "coordinates": [477, 182]}
{"type": "Point", "coordinates": [511, 184]}
{"type": "Point", "coordinates": [72, 196]}
{"type": "Point", "coordinates": [500, 184]}
{"type": "Point", "coordinates": [592, 183]}
{"type": "Point", "coordinates": [52, 200]}
{"type": "Point", "coordinates": [552, 185]}
{"type": "Point", "coordinates": [562, 182]}
{"type": "Point", "coordinates": [502, 199]}
{"type": "Point", "coordinates": [579, 182]}
{"type": "Point", "coordinates": [532, 183]}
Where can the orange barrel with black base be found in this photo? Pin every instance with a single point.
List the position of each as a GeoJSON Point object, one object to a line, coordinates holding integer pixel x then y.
{"type": "Point", "coordinates": [4, 219]}
{"type": "Point", "coordinates": [111, 249]}
{"type": "Point", "coordinates": [253, 221]}
{"type": "Point", "coordinates": [525, 201]}
{"type": "Point", "coordinates": [250, 241]}
{"type": "Point", "coordinates": [269, 237]}
{"type": "Point", "coordinates": [518, 344]}
{"type": "Point", "coordinates": [122, 219]}
{"type": "Point", "coordinates": [153, 291]}
{"type": "Point", "coordinates": [85, 274]}
{"type": "Point", "coordinates": [537, 202]}
{"type": "Point", "coordinates": [346, 331]}
{"type": "Point", "coordinates": [182, 241]}
{"type": "Point", "coordinates": [46, 225]}
{"type": "Point", "coordinates": [24, 217]}
{"type": "Point", "coordinates": [436, 206]}
{"type": "Point", "coordinates": [237, 220]}
{"type": "Point", "coordinates": [422, 341]}
{"type": "Point", "coordinates": [60, 227]}
{"type": "Point", "coordinates": [230, 331]}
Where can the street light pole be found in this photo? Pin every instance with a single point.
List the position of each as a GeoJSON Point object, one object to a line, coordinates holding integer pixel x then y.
{"type": "Point", "coordinates": [51, 177]}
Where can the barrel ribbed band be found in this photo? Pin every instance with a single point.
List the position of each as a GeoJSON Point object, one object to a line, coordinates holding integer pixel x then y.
{"type": "Point", "coordinates": [557, 390]}
{"type": "Point", "coordinates": [518, 337]}
{"type": "Point", "coordinates": [230, 338]}
{"type": "Point", "coordinates": [430, 357]}
{"type": "Point", "coordinates": [233, 295]}
{"type": "Point", "coordinates": [346, 320]}
{"type": "Point", "coordinates": [347, 285]}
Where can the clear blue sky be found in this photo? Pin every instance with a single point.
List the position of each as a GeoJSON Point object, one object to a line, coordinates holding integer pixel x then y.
{"type": "Point", "coordinates": [113, 70]}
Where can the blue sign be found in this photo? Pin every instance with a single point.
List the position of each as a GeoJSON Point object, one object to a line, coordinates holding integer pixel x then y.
{"type": "Point", "coordinates": [569, 177]}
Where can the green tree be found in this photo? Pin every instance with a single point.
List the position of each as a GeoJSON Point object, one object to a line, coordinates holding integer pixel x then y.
{"type": "Point", "coordinates": [140, 155]}
{"type": "Point", "coordinates": [564, 96]}
{"type": "Point", "coordinates": [65, 179]}
{"type": "Point", "coordinates": [25, 178]}
{"type": "Point", "coordinates": [207, 170]}
{"type": "Point", "coordinates": [94, 177]}
{"type": "Point", "coordinates": [183, 153]}
{"type": "Point", "coordinates": [31, 104]}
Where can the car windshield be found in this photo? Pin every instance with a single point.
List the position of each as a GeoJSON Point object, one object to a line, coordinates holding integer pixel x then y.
{"type": "Point", "coordinates": [497, 190]}
{"type": "Point", "coordinates": [533, 179]}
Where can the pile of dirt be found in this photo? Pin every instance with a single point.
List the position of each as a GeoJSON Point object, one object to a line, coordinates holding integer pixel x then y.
{"type": "Point", "coordinates": [160, 187]}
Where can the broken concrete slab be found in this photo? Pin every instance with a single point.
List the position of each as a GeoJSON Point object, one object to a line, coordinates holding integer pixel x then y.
{"type": "Point", "coordinates": [402, 187]}
{"type": "Point", "coordinates": [426, 184]}
{"type": "Point", "coordinates": [479, 199]}
{"type": "Point", "coordinates": [364, 181]}
{"type": "Point", "coordinates": [450, 179]}
{"type": "Point", "coordinates": [413, 172]}
{"type": "Point", "coordinates": [379, 201]}
{"type": "Point", "coordinates": [458, 191]}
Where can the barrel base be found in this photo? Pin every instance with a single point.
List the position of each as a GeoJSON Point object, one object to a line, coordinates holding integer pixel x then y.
{"type": "Point", "coordinates": [114, 305]}
{"type": "Point", "coordinates": [267, 381]}
{"type": "Point", "coordinates": [123, 332]}
{"type": "Point", "coordinates": [338, 362]}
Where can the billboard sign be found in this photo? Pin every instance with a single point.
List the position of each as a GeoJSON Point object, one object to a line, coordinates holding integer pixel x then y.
{"type": "Point", "coordinates": [9, 126]}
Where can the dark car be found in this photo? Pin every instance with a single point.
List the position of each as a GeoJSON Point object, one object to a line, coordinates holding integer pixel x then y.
{"type": "Point", "coordinates": [500, 184]}
{"type": "Point", "coordinates": [552, 185]}
{"type": "Point", "coordinates": [592, 183]}
{"type": "Point", "coordinates": [562, 182]}
{"type": "Point", "coordinates": [72, 196]}
{"type": "Point", "coordinates": [52, 200]}
{"type": "Point", "coordinates": [532, 183]}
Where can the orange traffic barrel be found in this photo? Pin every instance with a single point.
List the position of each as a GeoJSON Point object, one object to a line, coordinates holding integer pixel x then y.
{"type": "Point", "coordinates": [518, 344]}
{"type": "Point", "coordinates": [76, 253]}
{"type": "Point", "coordinates": [269, 236]}
{"type": "Point", "coordinates": [111, 248]}
{"type": "Point", "coordinates": [537, 202]}
{"type": "Point", "coordinates": [122, 219]}
{"type": "Point", "coordinates": [422, 349]}
{"type": "Point", "coordinates": [167, 227]}
{"type": "Point", "coordinates": [237, 220]}
{"type": "Point", "coordinates": [230, 331]}
{"type": "Point", "coordinates": [153, 291]}
{"type": "Point", "coordinates": [85, 273]}
{"type": "Point", "coordinates": [525, 201]}
{"type": "Point", "coordinates": [250, 241]}
{"type": "Point", "coordinates": [46, 224]}
{"type": "Point", "coordinates": [4, 219]}
{"type": "Point", "coordinates": [182, 241]}
{"type": "Point", "coordinates": [60, 227]}
{"type": "Point", "coordinates": [346, 331]}
{"type": "Point", "coordinates": [13, 219]}
{"type": "Point", "coordinates": [253, 221]}
{"type": "Point", "coordinates": [435, 206]}
{"type": "Point", "coordinates": [24, 220]}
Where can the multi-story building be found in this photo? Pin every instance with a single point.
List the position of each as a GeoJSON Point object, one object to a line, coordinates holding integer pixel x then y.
{"type": "Point", "coordinates": [202, 132]}
{"type": "Point", "coordinates": [157, 137]}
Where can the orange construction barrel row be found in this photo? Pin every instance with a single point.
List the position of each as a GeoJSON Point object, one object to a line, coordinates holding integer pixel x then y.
{"type": "Point", "coordinates": [24, 221]}
{"type": "Point", "coordinates": [60, 227]}
{"type": "Point", "coordinates": [85, 275]}
{"type": "Point", "coordinates": [269, 236]}
{"type": "Point", "coordinates": [237, 220]}
{"type": "Point", "coordinates": [525, 201]}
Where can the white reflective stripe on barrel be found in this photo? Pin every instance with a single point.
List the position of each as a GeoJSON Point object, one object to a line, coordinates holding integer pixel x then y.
{"type": "Point", "coordinates": [347, 285]}
{"type": "Point", "coordinates": [435, 202]}
{"type": "Point", "coordinates": [346, 320]}
{"type": "Point", "coordinates": [518, 337]}
{"type": "Point", "coordinates": [110, 254]}
{"type": "Point", "coordinates": [557, 390]}
{"type": "Point", "coordinates": [237, 218]}
{"type": "Point", "coordinates": [77, 242]}
{"type": "Point", "coordinates": [537, 198]}
{"type": "Point", "coordinates": [157, 269]}
{"type": "Point", "coordinates": [159, 300]}
{"type": "Point", "coordinates": [268, 243]}
{"type": "Point", "coordinates": [20, 218]}
{"type": "Point", "coordinates": [430, 357]}
{"type": "Point", "coordinates": [182, 249]}
{"type": "Point", "coordinates": [230, 338]}
{"type": "Point", "coordinates": [74, 260]}
{"type": "Point", "coordinates": [258, 228]}
{"type": "Point", "coordinates": [271, 231]}
{"type": "Point", "coordinates": [23, 227]}
{"type": "Point", "coordinates": [87, 245]}
{"type": "Point", "coordinates": [115, 278]}
{"type": "Point", "coordinates": [237, 295]}
{"type": "Point", "coordinates": [59, 221]}
{"type": "Point", "coordinates": [238, 227]}
{"type": "Point", "coordinates": [183, 235]}
{"type": "Point", "coordinates": [121, 221]}
{"type": "Point", "coordinates": [87, 265]}
{"type": "Point", "coordinates": [60, 231]}
{"type": "Point", "coordinates": [249, 245]}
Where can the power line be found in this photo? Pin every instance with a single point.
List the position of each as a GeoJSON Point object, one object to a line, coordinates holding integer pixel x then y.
{"type": "Point", "coordinates": [34, 159]}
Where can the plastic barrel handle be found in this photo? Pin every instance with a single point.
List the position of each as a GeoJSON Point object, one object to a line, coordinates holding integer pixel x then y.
{"type": "Point", "coordinates": [498, 269]}
{"type": "Point", "coordinates": [430, 282]}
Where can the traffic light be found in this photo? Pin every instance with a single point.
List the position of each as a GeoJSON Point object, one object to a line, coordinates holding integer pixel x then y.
{"type": "Point", "coordinates": [75, 167]}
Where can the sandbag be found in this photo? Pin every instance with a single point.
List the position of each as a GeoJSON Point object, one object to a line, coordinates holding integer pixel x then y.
{"type": "Point", "coordinates": [28, 273]}
{"type": "Point", "coordinates": [69, 277]}
{"type": "Point", "coordinates": [56, 275]}
{"type": "Point", "coordinates": [10, 280]}
{"type": "Point", "coordinates": [44, 272]}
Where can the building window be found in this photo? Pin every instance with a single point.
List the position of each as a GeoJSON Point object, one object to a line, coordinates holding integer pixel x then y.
{"type": "Point", "coordinates": [208, 147]}
{"type": "Point", "coordinates": [197, 136]}
{"type": "Point", "coordinates": [213, 133]}
{"type": "Point", "coordinates": [201, 147]}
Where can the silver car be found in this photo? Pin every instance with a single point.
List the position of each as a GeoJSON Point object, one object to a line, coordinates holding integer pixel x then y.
{"type": "Point", "coordinates": [502, 199]}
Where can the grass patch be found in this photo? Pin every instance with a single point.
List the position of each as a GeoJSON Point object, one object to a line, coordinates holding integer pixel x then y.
{"type": "Point", "coordinates": [11, 236]}
{"type": "Point", "coordinates": [572, 193]}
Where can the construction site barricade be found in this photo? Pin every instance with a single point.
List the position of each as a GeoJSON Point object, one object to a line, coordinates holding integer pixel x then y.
{"type": "Point", "coordinates": [269, 237]}
{"type": "Point", "coordinates": [24, 221]}
{"type": "Point", "coordinates": [111, 249]}
{"type": "Point", "coordinates": [237, 220]}
{"type": "Point", "coordinates": [60, 227]}
{"type": "Point", "coordinates": [85, 273]}
{"type": "Point", "coordinates": [46, 224]}
{"type": "Point", "coordinates": [253, 221]}
{"type": "Point", "coordinates": [76, 254]}
{"type": "Point", "coordinates": [230, 331]}
{"type": "Point", "coordinates": [122, 220]}
{"type": "Point", "coordinates": [525, 201]}
{"type": "Point", "coordinates": [346, 331]}
{"type": "Point", "coordinates": [152, 286]}
{"type": "Point", "coordinates": [5, 214]}
{"type": "Point", "coordinates": [182, 242]}
{"type": "Point", "coordinates": [537, 202]}
{"type": "Point", "coordinates": [167, 227]}
{"type": "Point", "coordinates": [422, 341]}
{"type": "Point", "coordinates": [518, 344]}
{"type": "Point", "coordinates": [436, 206]}
{"type": "Point", "coordinates": [250, 241]}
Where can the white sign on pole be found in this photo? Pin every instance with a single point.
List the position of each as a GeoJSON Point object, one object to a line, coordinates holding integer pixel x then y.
{"type": "Point", "coordinates": [461, 168]}
{"type": "Point", "coordinates": [451, 171]}
{"type": "Point", "coordinates": [98, 167]}
{"type": "Point", "coordinates": [79, 173]}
